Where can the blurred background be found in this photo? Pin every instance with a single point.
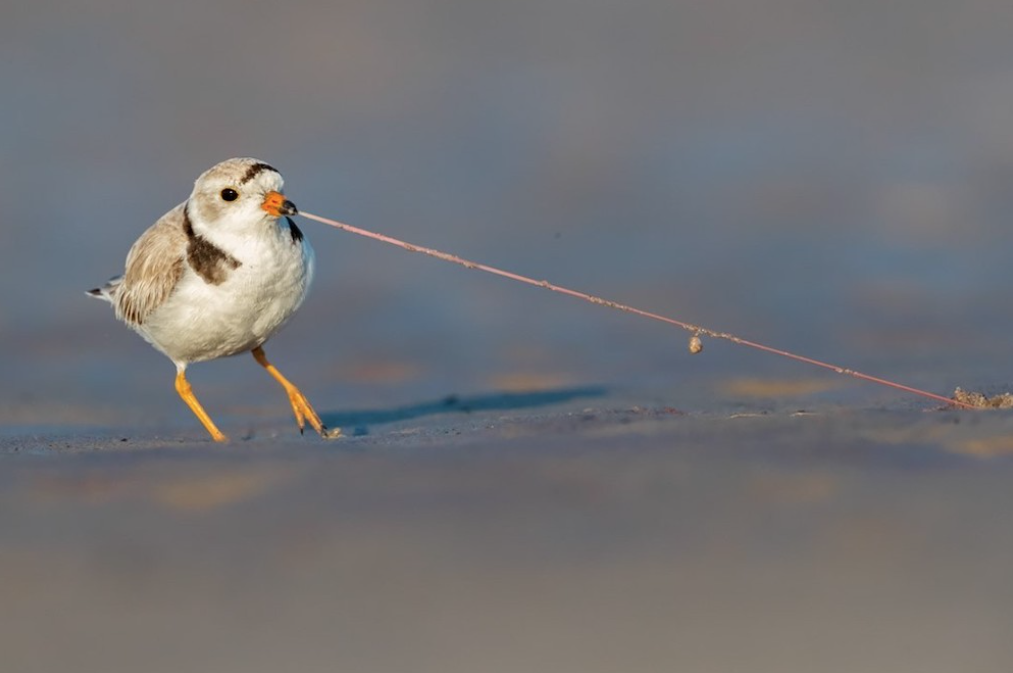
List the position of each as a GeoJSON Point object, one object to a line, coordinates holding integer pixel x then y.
{"type": "Point", "coordinates": [834, 178]}
{"type": "Point", "coordinates": [822, 176]}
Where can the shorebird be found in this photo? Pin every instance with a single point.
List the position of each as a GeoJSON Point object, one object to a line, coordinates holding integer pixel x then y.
{"type": "Point", "coordinates": [218, 275]}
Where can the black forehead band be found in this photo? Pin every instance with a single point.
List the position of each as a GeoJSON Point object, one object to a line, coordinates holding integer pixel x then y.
{"type": "Point", "coordinates": [255, 170]}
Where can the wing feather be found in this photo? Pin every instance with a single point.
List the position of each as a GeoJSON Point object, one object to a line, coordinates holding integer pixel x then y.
{"type": "Point", "coordinates": [154, 267]}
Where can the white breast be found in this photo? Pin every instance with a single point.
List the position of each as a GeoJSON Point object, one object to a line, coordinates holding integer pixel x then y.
{"type": "Point", "coordinates": [202, 321]}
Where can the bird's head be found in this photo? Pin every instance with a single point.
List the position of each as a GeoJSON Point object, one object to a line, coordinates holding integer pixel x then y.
{"type": "Point", "coordinates": [237, 194]}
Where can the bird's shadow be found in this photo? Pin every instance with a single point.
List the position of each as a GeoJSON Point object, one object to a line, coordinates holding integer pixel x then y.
{"type": "Point", "coordinates": [358, 422]}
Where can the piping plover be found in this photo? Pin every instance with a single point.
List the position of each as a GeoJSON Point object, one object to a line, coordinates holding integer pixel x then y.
{"type": "Point", "coordinates": [218, 275]}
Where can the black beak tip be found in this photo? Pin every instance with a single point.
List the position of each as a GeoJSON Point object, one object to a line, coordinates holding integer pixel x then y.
{"type": "Point", "coordinates": [288, 208]}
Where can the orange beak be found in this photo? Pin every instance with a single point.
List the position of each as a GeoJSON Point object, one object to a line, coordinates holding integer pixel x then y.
{"type": "Point", "coordinates": [277, 205]}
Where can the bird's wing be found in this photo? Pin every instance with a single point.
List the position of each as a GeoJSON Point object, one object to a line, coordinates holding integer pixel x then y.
{"type": "Point", "coordinates": [154, 267]}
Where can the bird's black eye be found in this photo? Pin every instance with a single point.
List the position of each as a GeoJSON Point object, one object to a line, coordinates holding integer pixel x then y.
{"type": "Point", "coordinates": [229, 194]}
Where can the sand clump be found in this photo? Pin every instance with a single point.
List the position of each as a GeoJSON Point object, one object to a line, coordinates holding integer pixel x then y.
{"type": "Point", "coordinates": [983, 401]}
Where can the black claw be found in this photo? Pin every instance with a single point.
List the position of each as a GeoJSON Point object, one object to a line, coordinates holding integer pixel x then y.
{"type": "Point", "coordinates": [301, 429]}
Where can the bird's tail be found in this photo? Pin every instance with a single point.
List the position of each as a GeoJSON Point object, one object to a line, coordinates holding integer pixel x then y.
{"type": "Point", "coordinates": [107, 291]}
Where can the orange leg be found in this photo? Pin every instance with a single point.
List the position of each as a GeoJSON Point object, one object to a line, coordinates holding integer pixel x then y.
{"type": "Point", "coordinates": [300, 405]}
{"type": "Point", "coordinates": [186, 392]}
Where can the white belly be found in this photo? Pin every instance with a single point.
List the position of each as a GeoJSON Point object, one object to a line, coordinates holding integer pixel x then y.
{"type": "Point", "coordinates": [202, 321]}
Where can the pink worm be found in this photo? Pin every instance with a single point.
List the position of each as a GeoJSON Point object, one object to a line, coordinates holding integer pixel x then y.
{"type": "Point", "coordinates": [696, 329]}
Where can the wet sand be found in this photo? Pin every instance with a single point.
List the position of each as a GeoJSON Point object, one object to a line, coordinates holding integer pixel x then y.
{"type": "Point", "coordinates": [529, 483]}
{"type": "Point", "coordinates": [568, 530]}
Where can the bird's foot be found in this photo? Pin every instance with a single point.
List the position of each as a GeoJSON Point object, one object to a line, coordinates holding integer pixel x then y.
{"type": "Point", "coordinates": [304, 412]}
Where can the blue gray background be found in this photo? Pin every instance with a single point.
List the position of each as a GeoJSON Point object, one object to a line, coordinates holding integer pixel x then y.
{"type": "Point", "coordinates": [530, 483]}
{"type": "Point", "coordinates": [827, 177]}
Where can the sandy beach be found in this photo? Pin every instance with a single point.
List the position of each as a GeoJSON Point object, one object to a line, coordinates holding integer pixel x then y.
{"type": "Point", "coordinates": [527, 483]}
{"type": "Point", "coordinates": [581, 535]}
